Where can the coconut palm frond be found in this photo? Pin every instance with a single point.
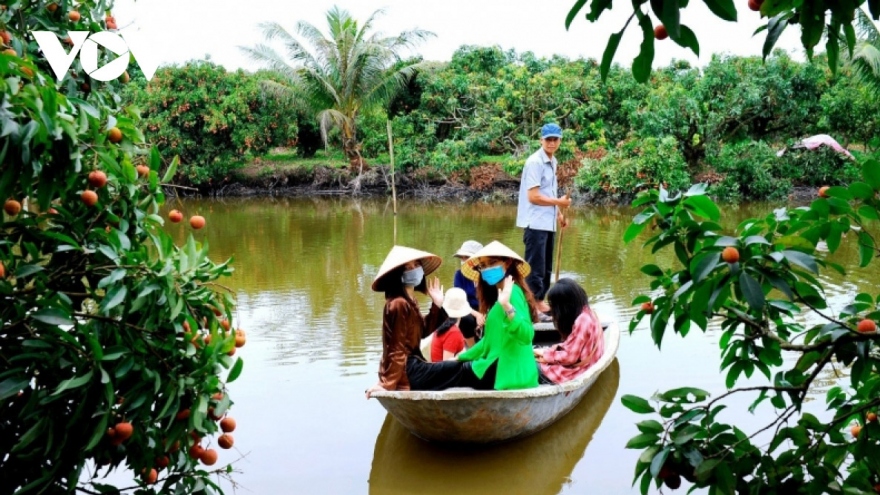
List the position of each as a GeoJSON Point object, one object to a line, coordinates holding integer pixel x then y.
{"type": "Point", "coordinates": [865, 28]}
{"type": "Point", "coordinates": [865, 65]}
{"type": "Point", "coordinates": [324, 48]}
{"type": "Point", "coordinates": [339, 71]}
{"type": "Point", "coordinates": [406, 39]}
{"type": "Point", "coordinates": [328, 119]}
{"type": "Point", "coordinates": [270, 59]}
{"type": "Point", "coordinates": [290, 94]}
{"type": "Point", "coordinates": [388, 86]}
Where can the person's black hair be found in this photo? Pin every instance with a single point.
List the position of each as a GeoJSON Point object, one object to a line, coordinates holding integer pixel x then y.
{"type": "Point", "coordinates": [487, 294]}
{"type": "Point", "coordinates": [394, 286]}
{"type": "Point", "coordinates": [567, 301]}
{"type": "Point", "coordinates": [445, 326]}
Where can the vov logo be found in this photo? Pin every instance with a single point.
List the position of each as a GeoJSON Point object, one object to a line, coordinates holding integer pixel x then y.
{"type": "Point", "coordinates": [86, 45]}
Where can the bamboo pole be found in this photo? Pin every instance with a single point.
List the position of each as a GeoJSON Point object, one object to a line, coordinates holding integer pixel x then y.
{"type": "Point", "coordinates": [393, 187]}
{"type": "Point", "coordinates": [559, 245]}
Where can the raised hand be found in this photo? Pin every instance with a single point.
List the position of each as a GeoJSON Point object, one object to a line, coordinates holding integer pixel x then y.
{"type": "Point", "coordinates": [506, 290]}
{"type": "Point", "coordinates": [435, 290]}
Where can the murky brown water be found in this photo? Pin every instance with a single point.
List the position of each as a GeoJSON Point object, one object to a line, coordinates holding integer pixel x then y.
{"type": "Point", "coordinates": [303, 271]}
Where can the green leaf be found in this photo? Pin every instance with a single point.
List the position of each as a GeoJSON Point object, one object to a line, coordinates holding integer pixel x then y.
{"type": "Point", "coordinates": [641, 66]}
{"type": "Point", "coordinates": [703, 264]}
{"type": "Point", "coordinates": [871, 173]}
{"type": "Point", "coordinates": [812, 22]}
{"type": "Point", "coordinates": [866, 248]}
{"type": "Point", "coordinates": [687, 39]}
{"type": "Point", "coordinates": [686, 434]}
{"type": "Point", "coordinates": [832, 45]}
{"type": "Point", "coordinates": [650, 426]}
{"type": "Point", "coordinates": [704, 470]}
{"type": "Point", "coordinates": [633, 231]}
{"type": "Point", "coordinates": [652, 270]}
{"type": "Point", "coordinates": [659, 460]}
{"type": "Point", "coordinates": [636, 404]}
{"type": "Point", "coordinates": [23, 271]}
{"type": "Point", "coordinates": [32, 434]}
{"type": "Point", "coordinates": [608, 55]}
{"type": "Point", "coordinates": [775, 27]}
{"type": "Point", "coordinates": [868, 212]}
{"type": "Point", "coordinates": [52, 316]}
{"type": "Point", "coordinates": [596, 8]}
{"type": "Point", "coordinates": [668, 13]}
{"type": "Point", "coordinates": [571, 14]}
{"type": "Point", "coordinates": [861, 190]}
{"type": "Point", "coordinates": [703, 206]}
{"type": "Point", "coordinates": [235, 371]}
{"type": "Point", "coordinates": [77, 381]}
{"type": "Point", "coordinates": [724, 9]}
{"type": "Point", "coordinates": [802, 260]}
{"type": "Point", "coordinates": [751, 291]}
{"type": "Point", "coordinates": [839, 192]}
{"type": "Point", "coordinates": [172, 169]}
{"type": "Point", "coordinates": [682, 394]}
{"type": "Point", "coordinates": [114, 297]}
{"type": "Point", "coordinates": [642, 441]}
{"type": "Point", "coordinates": [12, 385]}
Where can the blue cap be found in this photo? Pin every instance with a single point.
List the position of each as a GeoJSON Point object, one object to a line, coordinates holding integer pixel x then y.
{"type": "Point", "coordinates": [551, 130]}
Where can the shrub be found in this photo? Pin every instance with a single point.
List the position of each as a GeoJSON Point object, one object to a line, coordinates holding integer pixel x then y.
{"type": "Point", "coordinates": [820, 167]}
{"type": "Point", "coordinates": [748, 172]}
{"type": "Point", "coordinates": [634, 164]}
{"type": "Point", "coordinates": [211, 118]}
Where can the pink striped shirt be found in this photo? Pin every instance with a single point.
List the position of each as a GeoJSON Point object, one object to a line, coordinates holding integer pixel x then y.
{"type": "Point", "coordinates": [583, 347]}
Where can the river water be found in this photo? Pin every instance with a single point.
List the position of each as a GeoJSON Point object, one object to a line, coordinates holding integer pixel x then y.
{"type": "Point", "coordinates": [303, 269]}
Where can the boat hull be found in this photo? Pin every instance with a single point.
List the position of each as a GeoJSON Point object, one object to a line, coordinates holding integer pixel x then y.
{"type": "Point", "coordinates": [463, 415]}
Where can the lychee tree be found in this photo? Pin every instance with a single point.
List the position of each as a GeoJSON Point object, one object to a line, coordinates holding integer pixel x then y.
{"type": "Point", "coordinates": [115, 344]}
{"type": "Point", "coordinates": [762, 283]}
{"type": "Point", "coordinates": [832, 20]}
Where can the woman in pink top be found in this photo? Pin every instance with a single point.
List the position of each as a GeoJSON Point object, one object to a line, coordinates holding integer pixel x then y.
{"type": "Point", "coordinates": [583, 342]}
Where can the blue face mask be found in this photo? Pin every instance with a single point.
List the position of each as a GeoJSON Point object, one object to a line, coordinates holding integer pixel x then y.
{"type": "Point", "coordinates": [413, 277]}
{"type": "Point", "coordinates": [493, 275]}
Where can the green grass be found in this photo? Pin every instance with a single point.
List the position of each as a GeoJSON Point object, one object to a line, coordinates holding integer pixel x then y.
{"type": "Point", "coordinates": [290, 159]}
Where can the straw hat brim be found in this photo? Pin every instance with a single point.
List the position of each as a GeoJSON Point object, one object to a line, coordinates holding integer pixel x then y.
{"type": "Point", "coordinates": [494, 250]}
{"type": "Point", "coordinates": [399, 256]}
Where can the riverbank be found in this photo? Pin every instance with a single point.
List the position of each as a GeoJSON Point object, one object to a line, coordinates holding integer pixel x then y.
{"type": "Point", "coordinates": [486, 183]}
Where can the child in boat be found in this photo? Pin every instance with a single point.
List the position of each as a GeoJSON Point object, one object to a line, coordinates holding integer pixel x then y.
{"type": "Point", "coordinates": [503, 359]}
{"type": "Point", "coordinates": [403, 367]}
{"type": "Point", "coordinates": [448, 341]}
{"type": "Point", "coordinates": [583, 342]}
{"type": "Point", "coordinates": [474, 320]}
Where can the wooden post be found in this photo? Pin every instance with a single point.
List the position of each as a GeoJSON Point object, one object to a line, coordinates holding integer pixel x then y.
{"type": "Point", "coordinates": [393, 187]}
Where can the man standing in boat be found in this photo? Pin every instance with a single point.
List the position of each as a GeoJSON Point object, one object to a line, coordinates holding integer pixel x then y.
{"type": "Point", "coordinates": [539, 210]}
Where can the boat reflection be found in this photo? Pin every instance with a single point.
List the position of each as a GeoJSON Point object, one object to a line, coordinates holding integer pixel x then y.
{"type": "Point", "coordinates": [539, 464]}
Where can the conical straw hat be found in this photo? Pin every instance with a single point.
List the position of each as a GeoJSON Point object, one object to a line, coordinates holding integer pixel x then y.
{"type": "Point", "coordinates": [400, 256]}
{"type": "Point", "coordinates": [493, 250]}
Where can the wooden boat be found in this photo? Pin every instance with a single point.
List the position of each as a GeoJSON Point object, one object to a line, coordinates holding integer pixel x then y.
{"type": "Point", "coordinates": [464, 415]}
{"type": "Point", "coordinates": [403, 463]}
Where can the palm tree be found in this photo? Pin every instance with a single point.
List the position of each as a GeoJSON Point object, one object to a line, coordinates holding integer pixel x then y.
{"type": "Point", "coordinates": [865, 59]}
{"type": "Point", "coordinates": [337, 76]}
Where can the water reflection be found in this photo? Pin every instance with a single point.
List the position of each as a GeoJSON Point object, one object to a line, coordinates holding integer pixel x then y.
{"type": "Point", "coordinates": [401, 461]}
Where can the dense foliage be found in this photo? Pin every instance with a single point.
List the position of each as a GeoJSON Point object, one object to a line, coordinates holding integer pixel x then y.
{"type": "Point", "coordinates": [211, 118]}
{"type": "Point", "coordinates": [112, 353]}
{"type": "Point", "coordinates": [486, 104]}
{"type": "Point", "coordinates": [763, 285]}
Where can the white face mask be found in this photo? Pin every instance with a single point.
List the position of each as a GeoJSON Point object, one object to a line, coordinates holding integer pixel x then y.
{"type": "Point", "coordinates": [413, 277]}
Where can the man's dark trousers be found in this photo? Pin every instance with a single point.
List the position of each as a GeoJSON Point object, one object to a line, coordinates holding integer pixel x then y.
{"type": "Point", "coordinates": [539, 255]}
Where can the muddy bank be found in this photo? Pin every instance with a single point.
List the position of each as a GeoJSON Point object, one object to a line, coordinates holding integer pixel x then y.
{"type": "Point", "coordinates": [488, 183]}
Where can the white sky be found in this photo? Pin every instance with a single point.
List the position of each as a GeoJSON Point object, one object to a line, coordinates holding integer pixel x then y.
{"type": "Point", "coordinates": [181, 30]}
